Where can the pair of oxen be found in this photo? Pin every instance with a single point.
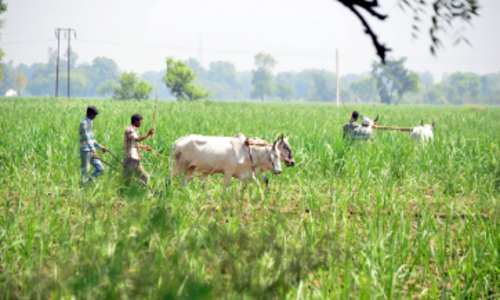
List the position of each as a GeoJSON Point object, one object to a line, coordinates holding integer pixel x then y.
{"type": "Point", "coordinates": [238, 157]}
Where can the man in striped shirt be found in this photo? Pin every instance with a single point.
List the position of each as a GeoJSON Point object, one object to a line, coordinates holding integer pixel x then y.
{"type": "Point", "coordinates": [131, 157]}
{"type": "Point", "coordinates": [88, 154]}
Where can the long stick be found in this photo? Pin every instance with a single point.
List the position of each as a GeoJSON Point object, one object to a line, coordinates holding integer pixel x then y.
{"type": "Point", "coordinates": [116, 158]}
{"type": "Point", "coordinates": [346, 108]}
{"type": "Point", "coordinates": [393, 128]}
{"type": "Point", "coordinates": [107, 163]}
{"type": "Point", "coordinates": [116, 169]}
{"type": "Point", "coordinates": [156, 104]}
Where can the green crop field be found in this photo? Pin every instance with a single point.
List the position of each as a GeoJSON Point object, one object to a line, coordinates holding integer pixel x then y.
{"type": "Point", "coordinates": [387, 219]}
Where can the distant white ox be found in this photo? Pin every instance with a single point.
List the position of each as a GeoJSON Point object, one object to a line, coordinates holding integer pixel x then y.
{"type": "Point", "coordinates": [226, 155]}
{"type": "Point", "coordinates": [422, 133]}
{"type": "Point", "coordinates": [11, 93]}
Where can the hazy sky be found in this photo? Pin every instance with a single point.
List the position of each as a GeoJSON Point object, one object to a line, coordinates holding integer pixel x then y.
{"type": "Point", "coordinates": [300, 34]}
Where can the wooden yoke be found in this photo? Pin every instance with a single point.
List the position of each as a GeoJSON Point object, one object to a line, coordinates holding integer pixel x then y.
{"type": "Point", "coordinates": [395, 128]}
{"type": "Point", "coordinates": [258, 142]}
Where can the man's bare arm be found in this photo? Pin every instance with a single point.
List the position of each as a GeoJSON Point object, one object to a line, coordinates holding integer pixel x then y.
{"type": "Point", "coordinates": [145, 147]}
{"type": "Point", "coordinates": [143, 137]}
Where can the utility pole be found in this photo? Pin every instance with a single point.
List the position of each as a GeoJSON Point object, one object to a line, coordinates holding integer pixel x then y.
{"type": "Point", "coordinates": [58, 35]}
{"type": "Point", "coordinates": [69, 59]}
{"type": "Point", "coordinates": [338, 88]}
{"type": "Point", "coordinates": [200, 50]}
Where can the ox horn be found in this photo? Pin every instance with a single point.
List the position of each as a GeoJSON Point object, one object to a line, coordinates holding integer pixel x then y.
{"type": "Point", "coordinates": [421, 122]}
{"type": "Point", "coordinates": [376, 119]}
{"type": "Point", "coordinates": [281, 136]}
{"type": "Point", "coordinates": [432, 124]}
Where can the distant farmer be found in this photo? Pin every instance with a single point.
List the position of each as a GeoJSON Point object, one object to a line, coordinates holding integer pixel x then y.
{"type": "Point", "coordinates": [349, 127]}
{"type": "Point", "coordinates": [131, 157]}
{"type": "Point", "coordinates": [365, 132]}
{"type": "Point", "coordinates": [88, 154]}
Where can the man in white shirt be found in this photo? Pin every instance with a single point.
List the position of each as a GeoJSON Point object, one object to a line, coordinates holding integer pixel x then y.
{"type": "Point", "coordinates": [131, 157]}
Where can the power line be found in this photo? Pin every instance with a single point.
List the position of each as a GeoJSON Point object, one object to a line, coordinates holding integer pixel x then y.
{"type": "Point", "coordinates": [308, 56]}
{"type": "Point", "coordinates": [25, 42]}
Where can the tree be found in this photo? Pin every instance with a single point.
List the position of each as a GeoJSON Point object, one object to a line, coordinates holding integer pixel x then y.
{"type": "Point", "coordinates": [427, 79]}
{"type": "Point", "coordinates": [41, 86]}
{"type": "Point", "coordinates": [262, 77]}
{"type": "Point", "coordinates": [365, 89]}
{"type": "Point", "coordinates": [444, 13]}
{"type": "Point", "coordinates": [490, 83]}
{"type": "Point", "coordinates": [437, 94]}
{"type": "Point", "coordinates": [285, 91]}
{"type": "Point", "coordinates": [223, 71]}
{"type": "Point", "coordinates": [143, 90]}
{"type": "Point", "coordinates": [78, 83]}
{"type": "Point", "coordinates": [441, 93]}
{"type": "Point", "coordinates": [222, 77]}
{"type": "Point", "coordinates": [127, 83]}
{"type": "Point", "coordinates": [106, 88]}
{"type": "Point", "coordinates": [194, 64]}
{"type": "Point", "coordinates": [106, 68]}
{"type": "Point", "coordinates": [21, 82]}
{"type": "Point", "coordinates": [393, 80]}
{"type": "Point", "coordinates": [179, 78]}
{"type": "Point", "coordinates": [467, 85]}
{"type": "Point", "coordinates": [321, 91]}
{"type": "Point", "coordinates": [7, 71]}
{"type": "Point", "coordinates": [131, 88]}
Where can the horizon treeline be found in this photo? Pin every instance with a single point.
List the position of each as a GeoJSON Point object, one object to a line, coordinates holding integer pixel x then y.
{"type": "Point", "coordinates": [97, 78]}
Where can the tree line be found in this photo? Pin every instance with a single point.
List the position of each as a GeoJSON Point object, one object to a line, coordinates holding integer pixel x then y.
{"type": "Point", "coordinates": [390, 83]}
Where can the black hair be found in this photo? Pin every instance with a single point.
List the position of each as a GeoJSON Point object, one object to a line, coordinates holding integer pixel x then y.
{"type": "Point", "coordinates": [355, 114]}
{"type": "Point", "coordinates": [136, 117]}
{"type": "Point", "coordinates": [92, 110]}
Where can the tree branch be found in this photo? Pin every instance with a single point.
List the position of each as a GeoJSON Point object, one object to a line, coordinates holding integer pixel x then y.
{"type": "Point", "coordinates": [369, 7]}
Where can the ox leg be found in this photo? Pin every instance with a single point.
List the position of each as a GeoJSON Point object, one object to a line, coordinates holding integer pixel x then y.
{"type": "Point", "coordinates": [266, 181]}
{"type": "Point", "coordinates": [202, 179]}
{"type": "Point", "coordinates": [188, 176]}
{"type": "Point", "coordinates": [227, 179]}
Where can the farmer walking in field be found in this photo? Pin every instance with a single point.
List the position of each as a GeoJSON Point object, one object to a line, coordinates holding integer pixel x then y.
{"type": "Point", "coordinates": [88, 153]}
{"type": "Point", "coordinates": [351, 125]}
{"type": "Point", "coordinates": [131, 157]}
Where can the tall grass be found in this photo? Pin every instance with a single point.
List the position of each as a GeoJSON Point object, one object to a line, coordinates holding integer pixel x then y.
{"type": "Point", "coordinates": [387, 219]}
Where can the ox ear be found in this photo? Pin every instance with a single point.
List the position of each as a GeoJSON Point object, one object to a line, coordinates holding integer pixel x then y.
{"type": "Point", "coordinates": [421, 122]}
{"type": "Point", "coordinates": [287, 138]}
{"type": "Point", "coordinates": [274, 144]}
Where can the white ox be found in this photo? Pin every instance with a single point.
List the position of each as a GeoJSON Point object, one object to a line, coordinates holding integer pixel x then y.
{"type": "Point", "coordinates": [422, 133]}
{"type": "Point", "coordinates": [11, 93]}
{"type": "Point", "coordinates": [226, 155]}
